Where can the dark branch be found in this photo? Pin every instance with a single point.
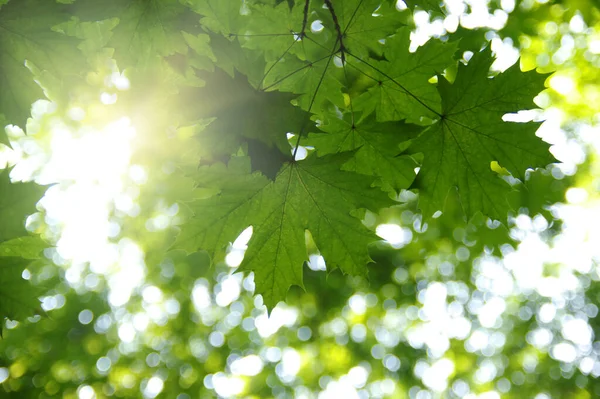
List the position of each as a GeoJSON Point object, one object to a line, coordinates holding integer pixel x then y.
{"type": "Point", "coordinates": [340, 35]}
{"type": "Point", "coordinates": [305, 18]}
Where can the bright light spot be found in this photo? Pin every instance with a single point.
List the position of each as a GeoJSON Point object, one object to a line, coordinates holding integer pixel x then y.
{"type": "Point", "coordinates": [586, 365]}
{"type": "Point", "coordinates": [281, 315]}
{"type": "Point", "coordinates": [339, 389]}
{"type": "Point", "coordinates": [85, 316]}
{"type": "Point", "coordinates": [234, 258]}
{"type": "Point", "coordinates": [94, 164]}
{"type": "Point", "coordinates": [577, 24]}
{"type": "Point", "coordinates": [103, 364]}
{"type": "Point", "coordinates": [126, 332]}
{"type": "Point", "coordinates": [289, 365]}
{"type": "Point", "coordinates": [216, 339]}
{"type": "Point", "coordinates": [108, 98]}
{"type": "Point", "coordinates": [242, 240]}
{"type": "Point", "coordinates": [395, 235]}
{"type": "Point", "coordinates": [249, 366]}
{"type": "Point", "coordinates": [141, 321]}
{"type": "Point", "coordinates": [86, 392]}
{"type": "Point", "coordinates": [564, 352]}
{"type": "Point", "coordinates": [477, 341]}
{"type": "Point", "coordinates": [76, 113]}
{"type": "Point", "coordinates": [506, 54]}
{"type": "Point", "coordinates": [577, 331]}
{"type": "Point", "coordinates": [201, 295]}
{"type": "Point", "coordinates": [576, 195]}
{"type": "Point", "coordinates": [129, 274]}
{"type": "Point", "coordinates": [236, 253]}
{"type": "Point", "coordinates": [401, 5]}
{"type": "Point", "coordinates": [154, 386]}
{"type": "Point", "coordinates": [229, 289]}
{"type": "Point", "coordinates": [489, 395]}
{"type": "Point", "coordinates": [547, 313]}
{"type": "Point", "coordinates": [4, 374]}
{"type": "Point", "coordinates": [227, 386]}
{"type": "Point", "coordinates": [541, 338]}
{"type": "Point", "coordinates": [358, 376]}
{"type": "Point", "coordinates": [562, 84]}
{"type": "Point", "coordinates": [152, 294]}
{"type": "Point", "coordinates": [301, 153]}
{"type": "Point", "coordinates": [391, 362]}
{"type": "Point", "coordinates": [486, 372]}
{"type": "Point", "coordinates": [317, 263]}
{"type": "Point", "coordinates": [119, 81]}
{"type": "Point", "coordinates": [435, 377]}
{"type": "Point", "coordinates": [138, 174]}
{"type": "Point", "coordinates": [358, 333]}
{"type": "Point", "coordinates": [507, 5]}
{"type": "Point", "coordinates": [358, 304]}
{"type": "Point", "coordinates": [317, 26]}
{"type": "Point", "coordinates": [491, 311]}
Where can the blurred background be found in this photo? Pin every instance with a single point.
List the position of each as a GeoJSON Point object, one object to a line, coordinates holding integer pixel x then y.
{"type": "Point", "coordinates": [450, 310]}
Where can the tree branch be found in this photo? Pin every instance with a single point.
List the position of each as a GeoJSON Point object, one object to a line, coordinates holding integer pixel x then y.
{"type": "Point", "coordinates": [340, 35]}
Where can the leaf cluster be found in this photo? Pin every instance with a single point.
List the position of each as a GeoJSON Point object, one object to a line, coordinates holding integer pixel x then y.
{"type": "Point", "coordinates": [261, 83]}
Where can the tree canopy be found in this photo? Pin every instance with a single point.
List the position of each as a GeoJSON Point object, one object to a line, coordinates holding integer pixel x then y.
{"type": "Point", "coordinates": [301, 198]}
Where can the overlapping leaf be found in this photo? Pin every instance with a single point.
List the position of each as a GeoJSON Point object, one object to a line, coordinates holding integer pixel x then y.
{"type": "Point", "coordinates": [3, 135]}
{"type": "Point", "coordinates": [18, 298]}
{"type": "Point", "coordinates": [17, 201]}
{"type": "Point", "coordinates": [347, 64]}
{"type": "Point", "coordinates": [376, 146]}
{"type": "Point", "coordinates": [363, 24]}
{"type": "Point", "coordinates": [224, 17]}
{"type": "Point", "coordinates": [401, 87]}
{"type": "Point", "coordinates": [26, 41]}
{"type": "Point", "coordinates": [313, 194]}
{"type": "Point", "coordinates": [459, 149]}
{"type": "Point", "coordinates": [349, 29]}
{"type": "Point", "coordinates": [242, 115]}
{"type": "Point", "coordinates": [147, 29]}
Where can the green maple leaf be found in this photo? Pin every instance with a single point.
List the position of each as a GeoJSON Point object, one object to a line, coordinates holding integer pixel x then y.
{"type": "Point", "coordinates": [470, 135]}
{"type": "Point", "coordinates": [216, 220]}
{"type": "Point", "coordinates": [314, 81]}
{"type": "Point", "coordinates": [225, 17]}
{"type": "Point", "coordinates": [313, 195]}
{"type": "Point", "coordinates": [375, 145]}
{"type": "Point", "coordinates": [401, 88]}
{"type": "Point", "coordinates": [363, 23]}
{"type": "Point", "coordinates": [299, 60]}
{"type": "Point", "coordinates": [354, 34]}
{"type": "Point", "coordinates": [18, 297]}
{"type": "Point", "coordinates": [243, 114]}
{"type": "Point", "coordinates": [17, 201]}
{"type": "Point", "coordinates": [28, 42]}
{"type": "Point", "coordinates": [3, 136]}
{"type": "Point", "coordinates": [27, 247]}
{"type": "Point", "coordinates": [539, 190]}
{"type": "Point", "coordinates": [427, 5]}
{"type": "Point", "coordinates": [270, 30]}
{"type": "Point", "coordinates": [147, 29]}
